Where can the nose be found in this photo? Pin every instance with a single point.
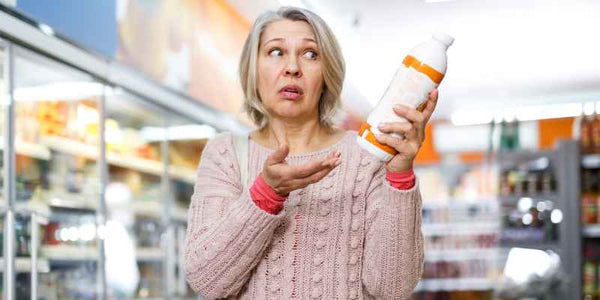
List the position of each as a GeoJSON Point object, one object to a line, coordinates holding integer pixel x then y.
{"type": "Point", "coordinates": [292, 68]}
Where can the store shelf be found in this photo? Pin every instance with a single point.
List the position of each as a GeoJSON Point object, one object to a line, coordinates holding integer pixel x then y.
{"type": "Point", "coordinates": [144, 165]}
{"type": "Point", "coordinates": [539, 245]}
{"type": "Point", "coordinates": [151, 209]}
{"type": "Point", "coordinates": [30, 150]}
{"type": "Point", "coordinates": [521, 156]}
{"type": "Point", "coordinates": [461, 228]}
{"type": "Point", "coordinates": [69, 146]}
{"type": "Point", "coordinates": [23, 265]}
{"type": "Point", "coordinates": [69, 253]}
{"type": "Point", "coordinates": [72, 201]}
{"type": "Point", "coordinates": [462, 254]}
{"type": "Point", "coordinates": [591, 231]}
{"type": "Point", "coordinates": [455, 284]}
{"type": "Point", "coordinates": [149, 254]}
{"type": "Point", "coordinates": [461, 204]}
{"type": "Point", "coordinates": [514, 199]}
{"type": "Point", "coordinates": [40, 208]}
{"type": "Point", "coordinates": [590, 161]}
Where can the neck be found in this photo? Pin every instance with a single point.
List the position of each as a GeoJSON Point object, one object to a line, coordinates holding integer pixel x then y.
{"type": "Point", "coordinates": [301, 136]}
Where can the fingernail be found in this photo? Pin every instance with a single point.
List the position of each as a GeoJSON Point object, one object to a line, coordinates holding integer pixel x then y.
{"type": "Point", "coordinates": [400, 107]}
{"type": "Point", "coordinates": [378, 136]}
{"type": "Point", "coordinates": [382, 126]}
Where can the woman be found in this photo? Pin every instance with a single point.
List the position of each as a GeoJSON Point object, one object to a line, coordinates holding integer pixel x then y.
{"type": "Point", "coordinates": [322, 218]}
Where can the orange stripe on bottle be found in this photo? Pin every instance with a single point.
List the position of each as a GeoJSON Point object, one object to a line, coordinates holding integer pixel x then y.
{"type": "Point", "coordinates": [411, 61]}
{"type": "Point", "coordinates": [370, 137]}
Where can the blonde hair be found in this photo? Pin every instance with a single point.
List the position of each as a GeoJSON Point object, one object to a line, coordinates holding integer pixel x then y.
{"type": "Point", "coordinates": [333, 62]}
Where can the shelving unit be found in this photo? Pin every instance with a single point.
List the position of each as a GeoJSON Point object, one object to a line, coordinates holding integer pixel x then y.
{"type": "Point", "coordinates": [565, 161]}
{"type": "Point", "coordinates": [459, 233]}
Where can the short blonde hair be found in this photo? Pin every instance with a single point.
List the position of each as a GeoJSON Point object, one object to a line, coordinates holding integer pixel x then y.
{"type": "Point", "coordinates": [333, 61]}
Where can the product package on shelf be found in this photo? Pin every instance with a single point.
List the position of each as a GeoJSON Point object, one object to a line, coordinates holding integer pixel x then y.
{"type": "Point", "coordinates": [528, 192]}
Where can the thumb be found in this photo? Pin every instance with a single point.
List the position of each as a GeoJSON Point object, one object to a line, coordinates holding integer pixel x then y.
{"type": "Point", "coordinates": [279, 155]}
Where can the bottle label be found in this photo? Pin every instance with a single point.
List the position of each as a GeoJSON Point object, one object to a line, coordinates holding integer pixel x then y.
{"type": "Point", "coordinates": [411, 86]}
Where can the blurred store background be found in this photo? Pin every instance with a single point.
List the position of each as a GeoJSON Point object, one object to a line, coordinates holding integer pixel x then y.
{"type": "Point", "coordinates": [107, 104]}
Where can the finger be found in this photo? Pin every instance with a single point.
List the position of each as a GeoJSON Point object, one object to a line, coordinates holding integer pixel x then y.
{"type": "Point", "coordinates": [389, 140]}
{"type": "Point", "coordinates": [431, 104]}
{"type": "Point", "coordinates": [400, 128]}
{"type": "Point", "coordinates": [316, 177]}
{"type": "Point", "coordinates": [404, 130]}
{"type": "Point", "coordinates": [279, 155]}
{"type": "Point", "coordinates": [313, 167]}
{"type": "Point", "coordinates": [409, 113]}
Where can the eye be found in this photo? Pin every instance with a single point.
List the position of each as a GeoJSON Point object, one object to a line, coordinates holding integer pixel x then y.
{"type": "Point", "coordinates": [275, 52]}
{"type": "Point", "coordinates": [310, 54]}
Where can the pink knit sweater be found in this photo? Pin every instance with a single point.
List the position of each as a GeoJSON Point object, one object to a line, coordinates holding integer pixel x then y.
{"type": "Point", "coordinates": [349, 236]}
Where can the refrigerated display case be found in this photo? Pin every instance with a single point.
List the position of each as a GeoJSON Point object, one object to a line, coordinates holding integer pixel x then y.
{"type": "Point", "coordinates": [56, 117]}
{"type": "Point", "coordinates": [102, 179]}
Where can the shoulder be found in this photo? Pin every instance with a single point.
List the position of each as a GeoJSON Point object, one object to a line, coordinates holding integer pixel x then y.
{"type": "Point", "coordinates": [219, 148]}
{"type": "Point", "coordinates": [220, 143]}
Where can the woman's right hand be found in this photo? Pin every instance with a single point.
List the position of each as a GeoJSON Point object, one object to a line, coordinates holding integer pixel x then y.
{"type": "Point", "coordinates": [284, 178]}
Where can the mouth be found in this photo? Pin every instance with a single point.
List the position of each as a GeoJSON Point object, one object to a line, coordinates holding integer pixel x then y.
{"type": "Point", "coordinates": [291, 92]}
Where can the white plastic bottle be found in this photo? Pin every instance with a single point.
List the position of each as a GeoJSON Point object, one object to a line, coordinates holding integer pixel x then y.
{"type": "Point", "coordinates": [420, 73]}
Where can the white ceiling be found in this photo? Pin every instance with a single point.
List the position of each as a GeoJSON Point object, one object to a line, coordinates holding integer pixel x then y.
{"type": "Point", "coordinates": [507, 53]}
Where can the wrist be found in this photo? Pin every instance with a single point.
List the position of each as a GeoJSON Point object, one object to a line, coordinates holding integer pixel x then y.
{"type": "Point", "coordinates": [400, 167]}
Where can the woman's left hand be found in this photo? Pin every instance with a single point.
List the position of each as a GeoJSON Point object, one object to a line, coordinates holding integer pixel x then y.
{"type": "Point", "coordinates": [413, 132]}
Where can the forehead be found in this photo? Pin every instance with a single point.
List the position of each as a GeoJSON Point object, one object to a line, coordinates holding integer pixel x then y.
{"type": "Point", "coordinates": [287, 30]}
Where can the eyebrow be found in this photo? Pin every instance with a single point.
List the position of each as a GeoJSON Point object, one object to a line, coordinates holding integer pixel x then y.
{"type": "Point", "coordinates": [282, 39]}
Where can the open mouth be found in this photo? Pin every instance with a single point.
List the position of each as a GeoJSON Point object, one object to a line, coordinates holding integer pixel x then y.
{"type": "Point", "coordinates": [291, 92]}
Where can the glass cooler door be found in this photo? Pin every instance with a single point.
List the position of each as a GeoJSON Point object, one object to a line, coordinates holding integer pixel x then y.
{"type": "Point", "coordinates": [56, 123]}
{"type": "Point", "coordinates": [136, 197]}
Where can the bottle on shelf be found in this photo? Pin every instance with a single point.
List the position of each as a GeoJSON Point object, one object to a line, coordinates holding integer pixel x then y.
{"type": "Point", "coordinates": [595, 133]}
{"type": "Point", "coordinates": [585, 138]}
{"type": "Point", "coordinates": [588, 199]}
{"type": "Point", "coordinates": [589, 275]}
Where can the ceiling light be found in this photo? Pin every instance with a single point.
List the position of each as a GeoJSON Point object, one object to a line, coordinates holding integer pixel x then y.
{"type": "Point", "coordinates": [46, 29]}
{"type": "Point", "coordinates": [61, 91]}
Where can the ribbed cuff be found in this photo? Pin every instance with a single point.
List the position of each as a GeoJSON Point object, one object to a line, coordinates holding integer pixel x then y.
{"type": "Point", "coordinates": [265, 197]}
{"type": "Point", "coordinates": [404, 180]}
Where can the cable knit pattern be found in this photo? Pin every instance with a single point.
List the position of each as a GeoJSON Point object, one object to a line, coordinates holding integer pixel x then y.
{"type": "Point", "coordinates": [350, 236]}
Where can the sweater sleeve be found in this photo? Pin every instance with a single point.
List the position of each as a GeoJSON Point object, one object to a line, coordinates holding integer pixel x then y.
{"type": "Point", "coordinates": [393, 256]}
{"type": "Point", "coordinates": [227, 233]}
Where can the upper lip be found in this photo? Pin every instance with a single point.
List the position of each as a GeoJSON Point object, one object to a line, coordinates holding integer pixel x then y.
{"type": "Point", "coordinates": [292, 87]}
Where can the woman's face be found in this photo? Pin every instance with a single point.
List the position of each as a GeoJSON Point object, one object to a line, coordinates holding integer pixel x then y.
{"type": "Point", "coordinates": [290, 71]}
